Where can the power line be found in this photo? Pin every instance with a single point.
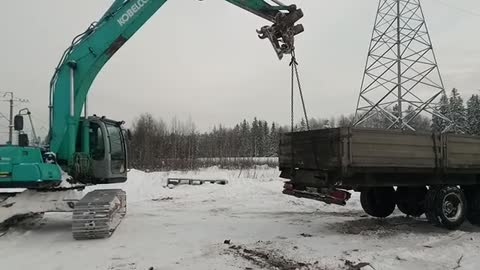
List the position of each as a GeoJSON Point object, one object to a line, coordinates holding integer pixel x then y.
{"type": "Point", "coordinates": [3, 116]}
{"type": "Point", "coordinates": [464, 10]}
{"type": "Point", "coordinates": [38, 119]}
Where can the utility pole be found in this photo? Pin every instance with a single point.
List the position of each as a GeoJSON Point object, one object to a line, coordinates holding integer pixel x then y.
{"type": "Point", "coordinates": [10, 117]}
{"type": "Point", "coordinates": [10, 121]}
{"type": "Point", "coordinates": [11, 101]}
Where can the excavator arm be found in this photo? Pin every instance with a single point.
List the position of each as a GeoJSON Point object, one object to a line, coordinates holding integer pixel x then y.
{"type": "Point", "coordinates": [91, 50]}
{"type": "Point", "coordinates": [260, 8]}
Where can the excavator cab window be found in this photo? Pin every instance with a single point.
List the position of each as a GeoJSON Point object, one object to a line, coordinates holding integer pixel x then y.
{"type": "Point", "coordinates": [97, 143]}
{"type": "Point", "coordinates": [117, 148]}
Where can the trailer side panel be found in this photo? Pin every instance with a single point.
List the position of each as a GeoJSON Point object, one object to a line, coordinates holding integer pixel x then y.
{"type": "Point", "coordinates": [462, 152]}
{"type": "Point", "coordinates": [310, 150]}
{"type": "Point", "coordinates": [382, 148]}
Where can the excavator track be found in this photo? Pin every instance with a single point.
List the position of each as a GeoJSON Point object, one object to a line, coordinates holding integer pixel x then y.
{"type": "Point", "coordinates": [99, 213]}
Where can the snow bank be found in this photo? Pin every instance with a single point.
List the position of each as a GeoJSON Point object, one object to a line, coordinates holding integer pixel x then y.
{"type": "Point", "coordinates": [143, 186]}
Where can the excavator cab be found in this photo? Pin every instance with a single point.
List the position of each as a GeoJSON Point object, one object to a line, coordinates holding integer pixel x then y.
{"type": "Point", "coordinates": [107, 151]}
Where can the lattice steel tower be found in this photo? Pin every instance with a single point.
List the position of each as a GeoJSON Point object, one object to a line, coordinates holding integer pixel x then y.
{"type": "Point", "coordinates": [401, 79]}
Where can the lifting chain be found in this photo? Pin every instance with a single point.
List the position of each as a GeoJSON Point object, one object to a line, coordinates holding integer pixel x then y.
{"type": "Point", "coordinates": [295, 78]}
{"type": "Point", "coordinates": [294, 75]}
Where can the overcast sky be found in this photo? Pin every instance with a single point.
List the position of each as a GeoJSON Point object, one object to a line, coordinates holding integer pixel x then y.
{"type": "Point", "coordinates": [203, 59]}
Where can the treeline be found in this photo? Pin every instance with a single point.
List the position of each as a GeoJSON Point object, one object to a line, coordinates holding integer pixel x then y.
{"type": "Point", "coordinates": [158, 145]}
{"type": "Point", "coordinates": [178, 145]}
{"type": "Point", "coordinates": [465, 115]}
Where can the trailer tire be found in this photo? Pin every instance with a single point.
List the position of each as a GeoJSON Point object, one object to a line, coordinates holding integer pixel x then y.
{"type": "Point", "coordinates": [411, 200]}
{"type": "Point", "coordinates": [378, 201]}
{"type": "Point", "coordinates": [447, 207]}
{"type": "Point", "coordinates": [473, 199]}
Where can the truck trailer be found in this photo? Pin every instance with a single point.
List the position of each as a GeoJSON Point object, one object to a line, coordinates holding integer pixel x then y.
{"type": "Point", "coordinates": [436, 174]}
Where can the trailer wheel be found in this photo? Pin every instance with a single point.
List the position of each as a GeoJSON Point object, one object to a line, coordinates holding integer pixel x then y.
{"type": "Point", "coordinates": [473, 207]}
{"type": "Point", "coordinates": [411, 200]}
{"type": "Point", "coordinates": [447, 207]}
{"type": "Point", "coordinates": [378, 201]}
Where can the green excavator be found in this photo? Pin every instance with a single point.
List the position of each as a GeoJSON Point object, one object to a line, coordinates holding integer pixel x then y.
{"type": "Point", "coordinates": [84, 150]}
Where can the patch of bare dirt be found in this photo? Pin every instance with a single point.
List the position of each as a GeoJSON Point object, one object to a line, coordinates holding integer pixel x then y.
{"type": "Point", "coordinates": [381, 227]}
{"type": "Point", "coordinates": [263, 258]}
{"type": "Point", "coordinates": [26, 220]}
{"type": "Point", "coordinates": [266, 259]}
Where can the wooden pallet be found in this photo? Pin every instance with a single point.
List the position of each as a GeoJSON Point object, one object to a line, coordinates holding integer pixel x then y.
{"type": "Point", "coordinates": [194, 181]}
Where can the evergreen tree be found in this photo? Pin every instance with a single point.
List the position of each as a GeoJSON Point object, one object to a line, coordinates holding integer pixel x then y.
{"type": "Point", "coordinates": [457, 111]}
{"type": "Point", "coordinates": [438, 124]}
{"type": "Point", "coordinates": [254, 138]}
{"type": "Point", "coordinates": [245, 144]}
{"type": "Point", "coordinates": [473, 115]}
{"type": "Point", "coordinates": [274, 141]}
{"type": "Point", "coordinates": [265, 137]}
{"type": "Point", "coordinates": [236, 140]}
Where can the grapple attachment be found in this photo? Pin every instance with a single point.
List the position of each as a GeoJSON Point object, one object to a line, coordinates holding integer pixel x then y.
{"type": "Point", "coordinates": [282, 33]}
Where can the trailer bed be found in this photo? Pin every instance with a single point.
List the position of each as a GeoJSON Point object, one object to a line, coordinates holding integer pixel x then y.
{"type": "Point", "coordinates": [359, 157]}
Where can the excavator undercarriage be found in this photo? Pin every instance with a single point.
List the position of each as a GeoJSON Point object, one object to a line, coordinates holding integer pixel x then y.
{"type": "Point", "coordinates": [95, 215]}
{"type": "Point", "coordinates": [99, 213]}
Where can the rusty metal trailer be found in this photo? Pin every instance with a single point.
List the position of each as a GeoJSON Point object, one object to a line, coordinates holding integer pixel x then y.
{"type": "Point", "coordinates": [432, 173]}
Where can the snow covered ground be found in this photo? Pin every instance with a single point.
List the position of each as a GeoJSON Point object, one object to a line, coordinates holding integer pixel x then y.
{"type": "Point", "coordinates": [185, 228]}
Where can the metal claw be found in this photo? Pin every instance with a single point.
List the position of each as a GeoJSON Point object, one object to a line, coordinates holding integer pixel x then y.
{"type": "Point", "coordinates": [281, 34]}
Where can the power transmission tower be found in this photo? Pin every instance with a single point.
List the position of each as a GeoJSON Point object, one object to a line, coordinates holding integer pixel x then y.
{"type": "Point", "coordinates": [401, 79]}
